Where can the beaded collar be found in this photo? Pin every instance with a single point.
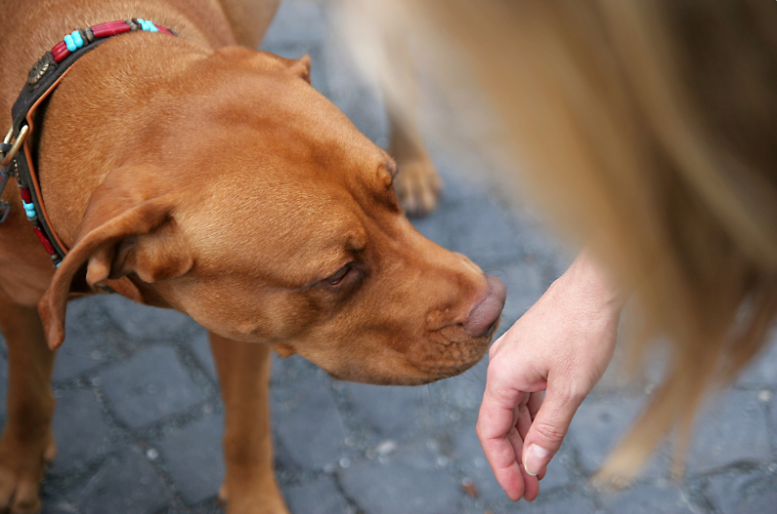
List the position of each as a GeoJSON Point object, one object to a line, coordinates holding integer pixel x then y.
{"type": "Point", "coordinates": [43, 78]}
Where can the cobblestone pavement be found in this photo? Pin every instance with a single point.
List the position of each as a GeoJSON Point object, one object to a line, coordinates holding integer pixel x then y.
{"type": "Point", "coordinates": [139, 420]}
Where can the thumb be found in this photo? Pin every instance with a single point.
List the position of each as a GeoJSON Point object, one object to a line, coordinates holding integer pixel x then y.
{"type": "Point", "coordinates": [548, 429]}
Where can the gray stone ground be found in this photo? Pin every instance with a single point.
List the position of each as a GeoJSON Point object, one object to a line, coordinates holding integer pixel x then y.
{"type": "Point", "coordinates": [139, 421]}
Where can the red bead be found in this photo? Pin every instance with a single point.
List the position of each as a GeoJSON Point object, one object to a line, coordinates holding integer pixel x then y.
{"type": "Point", "coordinates": [110, 29]}
{"type": "Point", "coordinates": [26, 196]}
{"type": "Point", "coordinates": [164, 30]}
{"type": "Point", "coordinates": [45, 241]}
{"type": "Point", "coordinates": [60, 51]}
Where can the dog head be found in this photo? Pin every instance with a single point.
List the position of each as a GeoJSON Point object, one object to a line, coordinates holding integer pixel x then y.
{"type": "Point", "coordinates": [265, 215]}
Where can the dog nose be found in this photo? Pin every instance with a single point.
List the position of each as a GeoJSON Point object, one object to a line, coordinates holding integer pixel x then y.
{"type": "Point", "coordinates": [486, 312]}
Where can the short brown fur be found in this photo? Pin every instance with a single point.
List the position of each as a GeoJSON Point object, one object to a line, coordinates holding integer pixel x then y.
{"type": "Point", "coordinates": [200, 175]}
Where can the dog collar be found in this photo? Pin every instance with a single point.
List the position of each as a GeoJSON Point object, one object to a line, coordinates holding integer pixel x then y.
{"type": "Point", "coordinates": [16, 152]}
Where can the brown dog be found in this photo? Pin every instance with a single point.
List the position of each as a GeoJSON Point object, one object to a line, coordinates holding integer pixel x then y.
{"type": "Point", "coordinates": [191, 173]}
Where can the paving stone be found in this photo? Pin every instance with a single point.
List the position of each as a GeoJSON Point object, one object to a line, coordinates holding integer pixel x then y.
{"type": "Point", "coordinates": [322, 497]}
{"type": "Point", "coordinates": [763, 370]}
{"type": "Point", "coordinates": [460, 184]}
{"type": "Point", "coordinates": [731, 429]}
{"type": "Point", "coordinates": [77, 356]}
{"type": "Point", "coordinates": [294, 371]}
{"type": "Point", "coordinates": [650, 500]}
{"type": "Point", "coordinates": [743, 493]}
{"type": "Point", "coordinates": [480, 230]}
{"type": "Point", "coordinates": [89, 338]}
{"type": "Point", "coordinates": [429, 454]}
{"type": "Point", "coordinates": [284, 461]}
{"type": "Point", "coordinates": [558, 473]}
{"type": "Point", "coordinates": [598, 426]}
{"type": "Point", "coordinates": [194, 458]}
{"type": "Point", "coordinates": [297, 50]}
{"type": "Point", "coordinates": [387, 410]}
{"type": "Point", "coordinates": [575, 505]}
{"type": "Point", "coordinates": [772, 418]}
{"type": "Point", "coordinates": [365, 110]}
{"type": "Point", "coordinates": [80, 431]}
{"type": "Point", "coordinates": [469, 456]}
{"type": "Point", "coordinates": [148, 386]}
{"type": "Point", "coordinates": [58, 506]}
{"type": "Point", "coordinates": [398, 488]}
{"type": "Point", "coordinates": [143, 322]}
{"type": "Point", "coordinates": [525, 285]}
{"type": "Point", "coordinates": [464, 391]}
{"type": "Point", "coordinates": [200, 345]}
{"type": "Point", "coordinates": [433, 227]}
{"type": "Point", "coordinates": [306, 421]}
{"type": "Point", "coordinates": [125, 484]}
{"type": "Point", "coordinates": [297, 22]}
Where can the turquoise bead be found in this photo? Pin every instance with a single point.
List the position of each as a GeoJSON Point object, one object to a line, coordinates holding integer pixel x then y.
{"type": "Point", "coordinates": [77, 39]}
{"type": "Point", "coordinates": [29, 209]}
{"type": "Point", "coordinates": [147, 25]}
{"type": "Point", "coordinates": [71, 45]}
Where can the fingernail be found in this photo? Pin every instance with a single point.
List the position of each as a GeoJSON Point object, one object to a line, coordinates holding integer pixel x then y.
{"type": "Point", "coordinates": [536, 459]}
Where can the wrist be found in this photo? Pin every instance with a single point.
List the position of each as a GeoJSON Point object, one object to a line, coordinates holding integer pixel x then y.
{"type": "Point", "coordinates": [586, 282]}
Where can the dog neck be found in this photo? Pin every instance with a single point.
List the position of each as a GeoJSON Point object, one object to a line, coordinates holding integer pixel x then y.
{"type": "Point", "coordinates": [44, 77]}
{"type": "Point", "coordinates": [121, 130]}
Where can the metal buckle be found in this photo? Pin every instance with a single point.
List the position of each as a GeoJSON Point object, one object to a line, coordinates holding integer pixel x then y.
{"type": "Point", "coordinates": [17, 144]}
{"type": "Point", "coordinates": [5, 169]}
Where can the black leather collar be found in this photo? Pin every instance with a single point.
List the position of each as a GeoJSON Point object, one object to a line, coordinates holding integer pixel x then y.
{"type": "Point", "coordinates": [16, 156]}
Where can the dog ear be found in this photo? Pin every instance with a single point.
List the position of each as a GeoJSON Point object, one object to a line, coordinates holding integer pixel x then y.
{"type": "Point", "coordinates": [301, 67]}
{"type": "Point", "coordinates": [263, 60]}
{"type": "Point", "coordinates": [127, 228]}
{"type": "Point", "coordinates": [158, 255]}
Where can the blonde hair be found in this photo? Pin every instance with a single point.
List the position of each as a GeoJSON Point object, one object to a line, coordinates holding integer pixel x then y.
{"type": "Point", "coordinates": [650, 130]}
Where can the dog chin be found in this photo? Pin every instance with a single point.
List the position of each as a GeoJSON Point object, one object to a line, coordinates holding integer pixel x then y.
{"type": "Point", "coordinates": [413, 375]}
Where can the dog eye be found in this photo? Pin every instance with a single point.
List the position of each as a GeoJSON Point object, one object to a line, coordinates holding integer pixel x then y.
{"type": "Point", "coordinates": [338, 277]}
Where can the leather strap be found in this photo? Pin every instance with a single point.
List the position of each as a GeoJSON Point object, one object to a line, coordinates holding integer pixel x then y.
{"type": "Point", "coordinates": [43, 78]}
{"type": "Point", "coordinates": [27, 176]}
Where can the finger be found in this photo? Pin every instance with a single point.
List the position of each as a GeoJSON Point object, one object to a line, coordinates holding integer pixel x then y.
{"type": "Point", "coordinates": [523, 421]}
{"type": "Point", "coordinates": [548, 429]}
{"type": "Point", "coordinates": [500, 440]}
{"type": "Point", "coordinates": [535, 401]}
{"type": "Point", "coordinates": [531, 487]}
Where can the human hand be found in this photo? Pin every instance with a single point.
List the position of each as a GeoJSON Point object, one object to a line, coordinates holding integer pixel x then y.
{"type": "Point", "coordinates": [562, 345]}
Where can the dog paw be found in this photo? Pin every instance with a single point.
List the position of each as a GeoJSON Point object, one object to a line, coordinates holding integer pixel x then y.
{"type": "Point", "coordinates": [418, 186]}
{"type": "Point", "coordinates": [21, 469]}
{"type": "Point", "coordinates": [256, 502]}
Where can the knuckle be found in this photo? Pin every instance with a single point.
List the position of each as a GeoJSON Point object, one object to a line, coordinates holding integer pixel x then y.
{"type": "Point", "coordinates": [498, 371]}
{"type": "Point", "coordinates": [548, 432]}
{"type": "Point", "coordinates": [571, 393]}
{"type": "Point", "coordinates": [479, 431]}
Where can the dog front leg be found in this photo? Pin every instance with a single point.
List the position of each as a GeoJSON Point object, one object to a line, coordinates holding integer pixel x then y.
{"type": "Point", "coordinates": [27, 442]}
{"type": "Point", "coordinates": [417, 184]}
{"type": "Point", "coordinates": [244, 375]}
